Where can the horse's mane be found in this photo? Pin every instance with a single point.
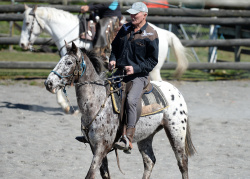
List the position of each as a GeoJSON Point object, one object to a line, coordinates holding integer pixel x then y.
{"type": "Point", "coordinates": [95, 60]}
{"type": "Point", "coordinates": [54, 14]}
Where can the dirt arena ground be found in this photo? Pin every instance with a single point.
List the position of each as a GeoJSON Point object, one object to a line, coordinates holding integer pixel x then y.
{"type": "Point", "coordinates": [37, 138]}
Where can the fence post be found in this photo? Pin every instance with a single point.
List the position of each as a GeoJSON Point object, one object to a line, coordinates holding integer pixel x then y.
{"type": "Point", "coordinates": [11, 28]}
{"type": "Point", "coordinates": [237, 49]}
{"type": "Point", "coordinates": [212, 52]}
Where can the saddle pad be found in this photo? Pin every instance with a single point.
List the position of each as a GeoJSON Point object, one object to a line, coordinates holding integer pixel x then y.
{"type": "Point", "coordinates": [155, 100]}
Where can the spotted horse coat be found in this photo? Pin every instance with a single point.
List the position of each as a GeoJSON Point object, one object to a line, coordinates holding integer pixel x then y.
{"type": "Point", "coordinates": [102, 122]}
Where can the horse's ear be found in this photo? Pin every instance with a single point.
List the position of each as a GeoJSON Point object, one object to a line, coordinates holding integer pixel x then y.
{"type": "Point", "coordinates": [26, 7]}
{"type": "Point", "coordinates": [34, 8]}
{"type": "Point", "coordinates": [67, 46]}
{"type": "Point", "coordinates": [74, 48]}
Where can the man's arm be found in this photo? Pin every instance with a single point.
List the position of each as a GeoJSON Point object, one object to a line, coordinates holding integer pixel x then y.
{"type": "Point", "coordinates": [92, 7]}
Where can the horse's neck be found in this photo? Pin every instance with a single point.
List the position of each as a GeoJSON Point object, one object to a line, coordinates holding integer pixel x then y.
{"type": "Point", "coordinates": [60, 29]}
{"type": "Point", "coordinates": [91, 96]}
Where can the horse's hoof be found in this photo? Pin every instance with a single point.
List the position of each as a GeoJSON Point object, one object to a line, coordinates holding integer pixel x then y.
{"type": "Point", "coordinates": [67, 110]}
{"type": "Point", "coordinates": [76, 112]}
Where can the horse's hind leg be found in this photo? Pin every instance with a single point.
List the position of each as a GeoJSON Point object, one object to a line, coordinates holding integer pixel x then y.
{"type": "Point", "coordinates": [104, 170]}
{"type": "Point", "coordinates": [146, 150]}
{"type": "Point", "coordinates": [175, 129]}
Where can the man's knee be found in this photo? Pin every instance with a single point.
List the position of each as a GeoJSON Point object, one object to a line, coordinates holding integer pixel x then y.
{"type": "Point", "coordinates": [131, 101]}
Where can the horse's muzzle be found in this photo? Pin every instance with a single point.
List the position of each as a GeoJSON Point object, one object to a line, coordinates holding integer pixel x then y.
{"type": "Point", "coordinates": [49, 86]}
{"type": "Point", "coordinates": [24, 47]}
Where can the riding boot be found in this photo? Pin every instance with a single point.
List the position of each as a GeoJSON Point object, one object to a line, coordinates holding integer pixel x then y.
{"type": "Point", "coordinates": [125, 143]}
{"type": "Point", "coordinates": [130, 135]}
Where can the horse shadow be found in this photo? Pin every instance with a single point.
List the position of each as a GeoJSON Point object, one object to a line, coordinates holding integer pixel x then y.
{"type": "Point", "coordinates": [33, 108]}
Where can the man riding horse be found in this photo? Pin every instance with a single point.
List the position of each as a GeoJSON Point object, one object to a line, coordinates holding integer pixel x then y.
{"type": "Point", "coordinates": [135, 52]}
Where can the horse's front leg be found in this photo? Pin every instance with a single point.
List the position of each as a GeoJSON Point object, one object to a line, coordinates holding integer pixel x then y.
{"type": "Point", "coordinates": [62, 102]}
{"type": "Point", "coordinates": [99, 161]}
{"type": "Point", "coordinates": [95, 165]}
{"type": "Point", "coordinates": [104, 170]}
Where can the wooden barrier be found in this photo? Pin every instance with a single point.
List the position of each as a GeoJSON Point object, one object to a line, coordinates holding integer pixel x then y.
{"type": "Point", "coordinates": [239, 4]}
{"type": "Point", "coordinates": [188, 16]}
{"type": "Point", "coordinates": [166, 66]}
{"type": "Point", "coordinates": [186, 43]}
{"type": "Point", "coordinates": [184, 12]}
{"type": "Point", "coordinates": [15, 41]}
{"type": "Point", "coordinates": [215, 66]}
{"type": "Point", "coordinates": [27, 65]}
{"type": "Point", "coordinates": [163, 20]}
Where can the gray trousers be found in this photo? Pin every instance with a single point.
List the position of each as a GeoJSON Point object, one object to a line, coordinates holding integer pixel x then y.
{"type": "Point", "coordinates": [134, 99]}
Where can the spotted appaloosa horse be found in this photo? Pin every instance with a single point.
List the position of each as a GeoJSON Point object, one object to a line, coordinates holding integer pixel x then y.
{"type": "Point", "coordinates": [100, 123]}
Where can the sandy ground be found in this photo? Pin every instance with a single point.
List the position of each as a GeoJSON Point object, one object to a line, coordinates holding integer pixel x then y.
{"type": "Point", "coordinates": [37, 138]}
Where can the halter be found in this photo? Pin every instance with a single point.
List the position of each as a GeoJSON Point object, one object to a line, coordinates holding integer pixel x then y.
{"type": "Point", "coordinates": [78, 71]}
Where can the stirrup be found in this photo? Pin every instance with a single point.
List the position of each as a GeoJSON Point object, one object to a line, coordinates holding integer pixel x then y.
{"type": "Point", "coordinates": [126, 141]}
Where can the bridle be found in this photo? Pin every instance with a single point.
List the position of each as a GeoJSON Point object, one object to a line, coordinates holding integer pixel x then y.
{"type": "Point", "coordinates": [78, 72]}
{"type": "Point", "coordinates": [32, 13]}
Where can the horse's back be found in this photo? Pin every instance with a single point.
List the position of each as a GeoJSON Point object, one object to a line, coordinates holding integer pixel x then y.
{"type": "Point", "coordinates": [172, 94]}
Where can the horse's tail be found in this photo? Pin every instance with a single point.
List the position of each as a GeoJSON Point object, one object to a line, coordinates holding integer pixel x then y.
{"type": "Point", "coordinates": [189, 147]}
{"type": "Point", "coordinates": [180, 53]}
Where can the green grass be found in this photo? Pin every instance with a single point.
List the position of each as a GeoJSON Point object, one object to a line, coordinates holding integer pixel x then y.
{"type": "Point", "coordinates": [28, 56]}
{"type": "Point", "coordinates": [198, 75]}
{"type": "Point", "coordinates": [24, 73]}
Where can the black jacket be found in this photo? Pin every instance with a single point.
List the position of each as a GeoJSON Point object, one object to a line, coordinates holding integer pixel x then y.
{"type": "Point", "coordinates": [139, 49]}
{"type": "Point", "coordinates": [104, 10]}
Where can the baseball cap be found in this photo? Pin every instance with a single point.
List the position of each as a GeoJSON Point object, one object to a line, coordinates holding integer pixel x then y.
{"type": "Point", "coordinates": [138, 7]}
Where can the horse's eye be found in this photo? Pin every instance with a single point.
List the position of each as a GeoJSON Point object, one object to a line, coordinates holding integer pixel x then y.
{"type": "Point", "coordinates": [27, 23]}
{"type": "Point", "coordinates": [69, 63]}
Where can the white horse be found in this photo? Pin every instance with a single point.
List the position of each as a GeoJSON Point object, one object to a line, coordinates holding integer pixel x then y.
{"type": "Point", "coordinates": [63, 26]}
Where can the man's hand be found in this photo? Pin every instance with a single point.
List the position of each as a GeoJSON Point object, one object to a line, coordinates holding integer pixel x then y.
{"type": "Point", "coordinates": [111, 65]}
{"type": "Point", "coordinates": [129, 70]}
{"type": "Point", "coordinates": [84, 9]}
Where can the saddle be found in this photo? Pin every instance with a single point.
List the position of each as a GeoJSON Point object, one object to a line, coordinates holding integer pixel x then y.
{"type": "Point", "coordinates": [101, 32]}
{"type": "Point", "coordinates": [152, 100]}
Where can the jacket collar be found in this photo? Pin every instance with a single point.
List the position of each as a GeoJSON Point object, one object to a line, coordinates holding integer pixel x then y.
{"type": "Point", "coordinates": [131, 27]}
